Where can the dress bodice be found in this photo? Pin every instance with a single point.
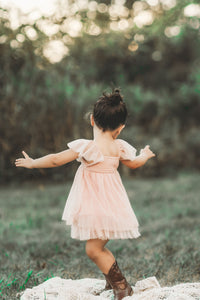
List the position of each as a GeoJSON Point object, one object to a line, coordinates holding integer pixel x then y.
{"type": "Point", "coordinates": [93, 159]}
{"type": "Point", "coordinates": [108, 165]}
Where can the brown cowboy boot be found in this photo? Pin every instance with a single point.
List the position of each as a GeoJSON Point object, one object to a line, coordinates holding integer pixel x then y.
{"type": "Point", "coordinates": [121, 287]}
{"type": "Point", "coordinates": [107, 287]}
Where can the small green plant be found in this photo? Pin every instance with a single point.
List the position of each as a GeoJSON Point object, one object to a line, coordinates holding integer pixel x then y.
{"type": "Point", "coordinates": [22, 287]}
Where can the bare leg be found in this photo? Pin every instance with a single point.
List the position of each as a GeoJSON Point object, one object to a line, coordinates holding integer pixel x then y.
{"type": "Point", "coordinates": [105, 260]}
{"type": "Point", "coordinates": [100, 255]}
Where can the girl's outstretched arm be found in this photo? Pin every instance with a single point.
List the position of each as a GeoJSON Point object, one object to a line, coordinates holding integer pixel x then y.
{"type": "Point", "coordinates": [48, 161]}
{"type": "Point", "coordinates": [141, 159]}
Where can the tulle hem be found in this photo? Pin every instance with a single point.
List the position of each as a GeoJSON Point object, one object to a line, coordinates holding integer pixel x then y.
{"type": "Point", "coordinates": [109, 223]}
{"type": "Point", "coordinates": [84, 234]}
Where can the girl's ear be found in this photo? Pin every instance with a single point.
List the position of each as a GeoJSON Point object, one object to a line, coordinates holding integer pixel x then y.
{"type": "Point", "coordinates": [92, 120]}
{"type": "Point", "coordinates": [120, 128]}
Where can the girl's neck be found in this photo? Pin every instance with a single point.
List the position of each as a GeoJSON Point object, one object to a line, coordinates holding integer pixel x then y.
{"type": "Point", "coordinates": [101, 135]}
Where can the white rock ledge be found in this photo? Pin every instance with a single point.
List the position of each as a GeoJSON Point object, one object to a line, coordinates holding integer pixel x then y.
{"type": "Point", "coordinates": [86, 289]}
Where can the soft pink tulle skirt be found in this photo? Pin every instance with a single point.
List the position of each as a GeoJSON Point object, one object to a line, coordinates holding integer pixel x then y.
{"type": "Point", "coordinates": [98, 206]}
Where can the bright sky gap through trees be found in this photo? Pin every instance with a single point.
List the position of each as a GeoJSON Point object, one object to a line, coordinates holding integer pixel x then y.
{"type": "Point", "coordinates": [142, 13]}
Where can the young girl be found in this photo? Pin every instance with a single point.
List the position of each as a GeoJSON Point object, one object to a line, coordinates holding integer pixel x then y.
{"type": "Point", "coordinates": [98, 208]}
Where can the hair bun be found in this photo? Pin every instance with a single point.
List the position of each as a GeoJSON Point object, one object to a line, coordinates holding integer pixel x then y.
{"type": "Point", "coordinates": [112, 99]}
{"type": "Point", "coordinates": [115, 97]}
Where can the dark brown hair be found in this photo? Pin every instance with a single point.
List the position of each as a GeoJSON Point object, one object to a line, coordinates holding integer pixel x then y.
{"type": "Point", "coordinates": [110, 111]}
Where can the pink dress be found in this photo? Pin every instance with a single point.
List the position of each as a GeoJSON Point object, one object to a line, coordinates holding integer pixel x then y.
{"type": "Point", "coordinates": [98, 205]}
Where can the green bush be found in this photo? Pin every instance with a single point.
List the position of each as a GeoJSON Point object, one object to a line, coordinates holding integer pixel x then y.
{"type": "Point", "coordinates": [43, 105]}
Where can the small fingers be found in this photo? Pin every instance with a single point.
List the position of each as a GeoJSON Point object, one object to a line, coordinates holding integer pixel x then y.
{"type": "Point", "coordinates": [25, 154]}
{"type": "Point", "coordinates": [19, 162]}
{"type": "Point", "coordinates": [147, 148]}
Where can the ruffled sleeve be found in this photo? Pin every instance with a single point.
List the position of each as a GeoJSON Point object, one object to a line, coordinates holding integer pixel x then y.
{"type": "Point", "coordinates": [87, 150]}
{"type": "Point", "coordinates": [127, 152]}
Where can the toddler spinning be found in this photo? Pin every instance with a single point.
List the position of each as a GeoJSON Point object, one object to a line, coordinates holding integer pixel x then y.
{"type": "Point", "coordinates": [98, 208]}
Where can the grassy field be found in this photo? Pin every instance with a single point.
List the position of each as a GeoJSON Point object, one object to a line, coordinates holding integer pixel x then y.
{"type": "Point", "coordinates": [35, 244]}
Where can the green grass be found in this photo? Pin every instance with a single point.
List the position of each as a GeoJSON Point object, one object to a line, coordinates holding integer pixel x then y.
{"type": "Point", "coordinates": [35, 244]}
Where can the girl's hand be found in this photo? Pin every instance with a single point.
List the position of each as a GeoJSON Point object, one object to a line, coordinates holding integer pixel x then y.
{"type": "Point", "coordinates": [26, 162]}
{"type": "Point", "coordinates": [147, 152]}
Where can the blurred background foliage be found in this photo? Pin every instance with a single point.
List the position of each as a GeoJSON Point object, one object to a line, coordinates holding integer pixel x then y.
{"type": "Point", "coordinates": [53, 68]}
